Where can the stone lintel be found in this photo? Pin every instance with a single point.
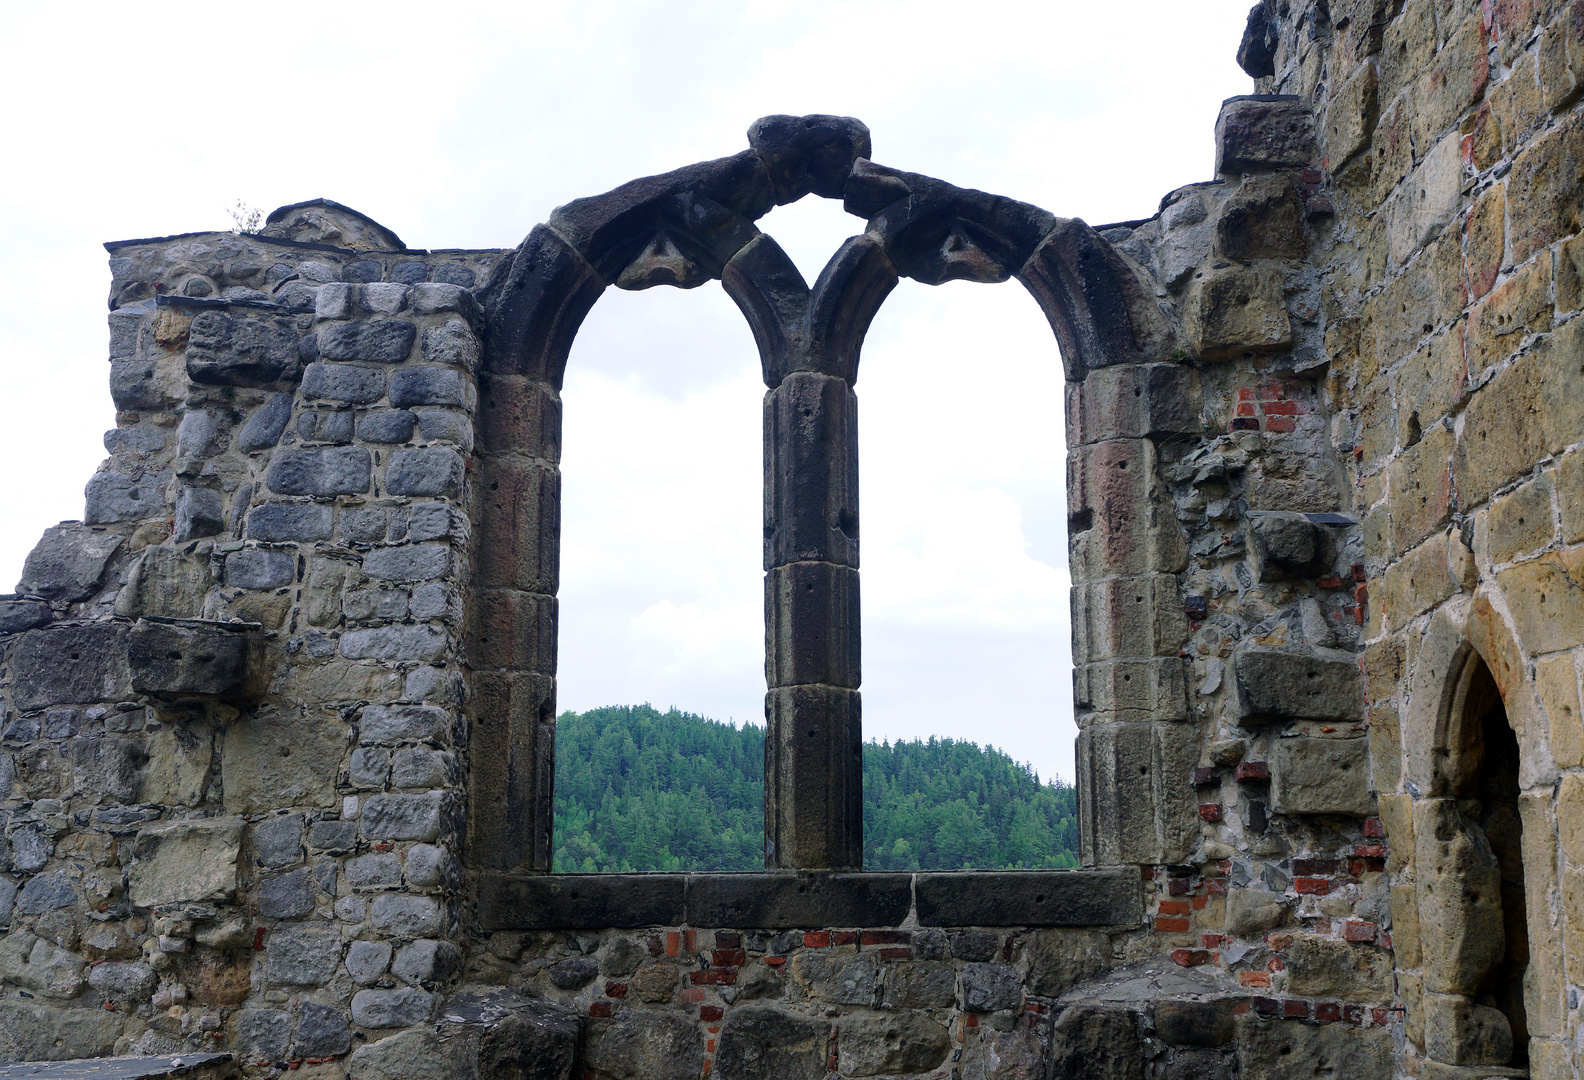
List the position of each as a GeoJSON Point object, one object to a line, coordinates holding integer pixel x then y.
{"type": "Point", "coordinates": [789, 900]}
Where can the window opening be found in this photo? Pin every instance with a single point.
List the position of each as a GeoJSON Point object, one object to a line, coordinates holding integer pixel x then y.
{"type": "Point", "coordinates": [967, 668]}
{"type": "Point", "coordinates": [661, 594]}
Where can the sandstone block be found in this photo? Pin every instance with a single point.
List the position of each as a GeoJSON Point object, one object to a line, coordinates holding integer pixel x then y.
{"type": "Point", "coordinates": [891, 1044]}
{"type": "Point", "coordinates": [1459, 892]}
{"type": "Point", "coordinates": [1237, 310]}
{"type": "Point", "coordinates": [1417, 582]}
{"type": "Point", "coordinates": [33, 1032]}
{"type": "Point", "coordinates": [921, 985]}
{"type": "Point", "coordinates": [1350, 118]}
{"type": "Point", "coordinates": [1428, 202]}
{"type": "Point", "coordinates": [1322, 776]}
{"type": "Point", "coordinates": [1133, 401]}
{"type": "Point", "coordinates": [1543, 202]}
{"type": "Point", "coordinates": [186, 862]}
{"type": "Point", "coordinates": [838, 979]}
{"type": "Point", "coordinates": [1431, 383]}
{"type": "Point", "coordinates": [812, 614]}
{"type": "Point", "coordinates": [1419, 482]}
{"type": "Point", "coordinates": [1137, 806]}
{"type": "Point", "coordinates": [1126, 691]}
{"type": "Point", "coordinates": [1557, 681]}
{"type": "Point", "coordinates": [1517, 307]}
{"type": "Point", "coordinates": [1121, 513]}
{"type": "Point", "coordinates": [1547, 608]}
{"type": "Point", "coordinates": [1326, 967]}
{"type": "Point", "coordinates": [1502, 433]}
{"type": "Point", "coordinates": [1288, 545]}
{"type": "Point", "coordinates": [1254, 910]}
{"type": "Point", "coordinates": [1459, 1032]}
{"type": "Point", "coordinates": [1273, 685]}
{"type": "Point", "coordinates": [1487, 240]}
{"type": "Point", "coordinates": [1089, 1041]}
{"type": "Point", "coordinates": [1127, 617]}
{"type": "Point", "coordinates": [1262, 220]}
{"type": "Point", "coordinates": [1520, 522]}
{"type": "Point", "coordinates": [1290, 1050]}
{"type": "Point", "coordinates": [269, 762]}
{"type": "Point", "coordinates": [1260, 132]}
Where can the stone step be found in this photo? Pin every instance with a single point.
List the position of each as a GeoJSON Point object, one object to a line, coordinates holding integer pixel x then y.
{"type": "Point", "coordinates": [188, 1066]}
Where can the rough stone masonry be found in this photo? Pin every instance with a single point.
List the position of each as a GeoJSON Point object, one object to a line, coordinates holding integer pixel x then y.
{"type": "Point", "coordinates": [278, 713]}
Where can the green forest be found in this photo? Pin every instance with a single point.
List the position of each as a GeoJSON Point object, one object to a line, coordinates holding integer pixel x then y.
{"type": "Point", "coordinates": [638, 789]}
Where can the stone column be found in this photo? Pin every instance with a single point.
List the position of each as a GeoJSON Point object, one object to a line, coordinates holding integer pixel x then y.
{"type": "Point", "coordinates": [813, 743]}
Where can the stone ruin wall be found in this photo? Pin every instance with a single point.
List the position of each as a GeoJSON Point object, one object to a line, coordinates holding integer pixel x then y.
{"type": "Point", "coordinates": [250, 703]}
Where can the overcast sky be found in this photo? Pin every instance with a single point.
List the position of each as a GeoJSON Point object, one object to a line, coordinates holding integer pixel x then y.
{"type": "Point", "coordinates": [463, 125]}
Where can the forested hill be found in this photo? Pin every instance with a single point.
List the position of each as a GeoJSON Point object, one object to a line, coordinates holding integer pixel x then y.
{"type": "Point", "coordinates": [637, 789]}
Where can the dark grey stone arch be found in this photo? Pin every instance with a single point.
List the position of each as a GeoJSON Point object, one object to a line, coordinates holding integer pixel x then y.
{"type": "Point", "coordinates": [681, 229]}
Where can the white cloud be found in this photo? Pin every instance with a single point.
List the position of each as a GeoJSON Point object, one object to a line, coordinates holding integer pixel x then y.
{"type": "Point", "coordinates": [465, 126]}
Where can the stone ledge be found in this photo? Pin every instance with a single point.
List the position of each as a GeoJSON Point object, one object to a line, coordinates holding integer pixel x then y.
{"type": "Point", "coordinates": [191, 1066]}
{"type": "Point", "coordinates": [772, 900]}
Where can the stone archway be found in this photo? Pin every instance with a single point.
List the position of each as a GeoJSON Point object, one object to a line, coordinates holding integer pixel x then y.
{"type": "Point", "coordinates": [694, 225]}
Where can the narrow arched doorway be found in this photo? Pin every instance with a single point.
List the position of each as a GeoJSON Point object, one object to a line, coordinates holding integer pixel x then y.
{"type": "Point", "coordinates": [1488, 789]}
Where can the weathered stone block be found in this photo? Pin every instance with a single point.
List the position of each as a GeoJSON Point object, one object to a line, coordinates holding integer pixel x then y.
{"type": "Point", "coordinates": [407, 916]}
{"type": "Point", "coordinates": [1428, 202]}
{"type": "Point", "coordinates": [70, 665]}
{"type": "Point", "coordinates": [1237, 310]}
{"type": "Point", "coordinates": [302, 954]}
{"type": "Point", "coordinates": [395, 644]}
{"type": "Point", "coordinates": [812, 616]}
{"type": "Point", "coordinates": [1254, 910]}
{"type": "Point", "coordinates": [1122, 516]}
{"type": "Point", "coordinates": [921, 985]}
{"type": "Point", "coordinates": [227, 350]}
{"type": "Point", "coordinates": [392, 1008]}
{"type": "Point", "coordinates": [1273, 685]}
{"type": "Point", "coordinates": [32, 1032]}
{"type": "Point", "coordinates": [1420, 485]}
{"type": "Point", "coordinates": [1133, 401]}
{"type": "Point", "coordinates": [386, 426]}
{"type": "Point", "coordinates": [1126, 691]}
{"type": "Point", "coordinates": [642, 1043]}
{"type": "Point", "coordinates": [1502, 433]}
{"type": "Point", "coordinates": [271, 762]}
{"type": "Point", "coordinates": [1293, 1050]}
{"type": "Point", "coordinates": [1088, 1041]}
{"type": "Point", "coordinates": [814, 789]}
{"type": "Point", "coordinates": [1543, 203]}
{"type": "Point", "coordinates": [1262, 220]}
{"type": "Point", "coordinates": [352, 383]}
{"type": "Point", "coordinates": [40, 965]}
{"type": "Point", "coordinates": [407, 817]}
{"type": "Point", "coordinates": [1136, 803]}
{"type": "Point", "coordinates": [46, 892]}
{"type": "Point", "coordinates": [1350, 118]}
{"type": "Point", "coordinates": [1322, 776]}
{"type": "Point", "coordinates": [1459, 1032]}
{"type": "Point", "coordinates": [811, 471]}
{"type": "Point", "coordinates": [1286, 545]}
{"type": "Point", "coordinates": [419, 562]}
{"type": "Point", "coordinates": [760, 1041]}
{"type": "Point", "coordinates": [289, 523]}
{"type": "Point", "coordinates": [286, 896]}
{"type": "Point", "coordinates": [409, 1055]}
{"type": "Point", "coordinates": [325, 426]}
{"type": "Point", "coordinates": [68, 562]}
{"type": "Point", "coordinates": [185, 862]}
{"type": "Point", "coordinates": [430, 471]}
{"type": "Point", "coordinates": [113, 496]}
{"type": "Point", "coordinates": [1026, 898]}
{"type": "Point", "coordinates": [18, 615]}
{"type": "Point", "coordinates": [430, 386]}
{"type": "Point", "coordinates": [1127, 617]}
{"type": "Point", "coordinates": [1547, 609]}
{"type": "Point", "coordinates": [1260, 132]}
{"type": "Point", "coordinates": [520, 527]}
{"type": "Point", "coordinates": [1326, 967]}
{"type": "Point", "coordinates": [330, 471]}
{"type": "Point", "coordinates": [1459, 891]}
{"type": "Point", "coordinates": [891, 1044]}
{"type": "Point", "coordinates": [166, 659]}
{"type": "Point", "coordinates": [388, 341]}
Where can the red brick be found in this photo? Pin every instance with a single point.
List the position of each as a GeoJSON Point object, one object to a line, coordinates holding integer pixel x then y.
{"type": "Point", "coordinates": [727, 941]}
{"type": "Point", "coordinates": [1370, 851]}
{"type": "Point", "coordinates": [1382, 1015]}
{"type": "Point", "coordinates": [1279, 941]}
{"type": "Point", "coordinates": [616, 989]}
{"type": "Point", "coordinates": [1330, 581]}
{"type": "Point", "coordinates": [714, 977]}
{"type": "Point", "coordinates": [1247, 393]}
{"type": "Point", "coordinates": [691, 995]}
{"type": "Point", "coordinates": [1210, 811]}
{"type": "Point", "coordinates": [886, 937]}
{"type": "Point", "coordinates": [1281, 423]}
{"type": "Point", "coordinates": [729, 957]}
{"type": "Point", "coordinates": [1190, 957]}
{"type": "Point", "coordinates": [600, 1008]}
{"type": "Point", "coordinates": [1295, 1010]}
{"type": "Point", "coordinates": [1375, 828]}
{"type": "Point", "coordinates": [1241, 1008]}
{"type": "Point", "coordinates": [1211, 941]}
{"type": "Point", "coordinates": [1265, 1006]}
{"type": "Point", "coordinates": [1308, 886]}
{"type": "Point", "coordinates": [844, 937]}
{"type": "Point", "coordinates": [673, 942]}
{"type": "Point", "coordinates": [1207, 774]}
{"type": "Point", "coordinates": [775, 961]}
{"type": "Point", "coordinates": [1281, 408]}
{"type": "Point", "coordinates": [655, 946]}
{"type": "Point", "coordinates": [711, 1012]}
{"type": "Point", "coordinates": [1175, 907]}
{"type": "Point", "coordinates": [1199, 902]}
{"type": "Point", "coordinates": [1215, 888]}
{"type": "Point", "coordinates": [897, 953]}
{"type": "Point", "coordinates": [1315, 867]}
{"type": "Point", "coordinates": [1148, 873]}
{"type": "Point", "coordinates": [816, 939]}
{"type": "Point", "coordinates": [970, 1020]}
{"type": "Point", "coordinates": [1171, 925]}
{"type": "Point", "coordinates": [689, 940]}
{"type": "Point", "coordinates": [1252, 770]}
{"type": "Point", "coordinates": [1179, 886]}
{"type": "Point", "coordinates": [1245, 408]}
{"type": "Point", "coordinates": [1353, 1014]}
{"type": "Point", "coordinates": [1328, 1011]}
{"type": "Point", "coordinates": [1275, 964]}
